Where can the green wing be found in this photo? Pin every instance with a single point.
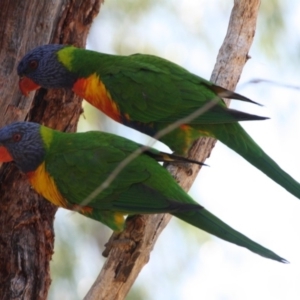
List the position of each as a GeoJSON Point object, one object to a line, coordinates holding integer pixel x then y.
{"type": "Point", "coordinates": [79, 163]}
{"type": "Point", "coordinates": [166, 98]}
{"type": "Point", "coordinates": [151, 89]}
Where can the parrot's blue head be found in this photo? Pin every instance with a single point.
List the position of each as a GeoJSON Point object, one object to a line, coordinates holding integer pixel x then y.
{"type": "Point", "coordinates": [22, 142]}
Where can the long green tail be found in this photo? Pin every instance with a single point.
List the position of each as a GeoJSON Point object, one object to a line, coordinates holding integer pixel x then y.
{"type": "Point", "coordinates": [236, 138]}
{"type": "Point", "coordinates": [206, 221]}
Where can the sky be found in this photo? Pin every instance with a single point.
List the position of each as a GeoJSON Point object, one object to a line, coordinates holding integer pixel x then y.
{"type": "Point", "coordinates": [185, 263]}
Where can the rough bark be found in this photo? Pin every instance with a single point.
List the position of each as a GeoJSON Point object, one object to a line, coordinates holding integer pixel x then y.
{"type": "Point", "coordinates": [125, 260]}
{"type": "Point", "coordinates": [26, 220]}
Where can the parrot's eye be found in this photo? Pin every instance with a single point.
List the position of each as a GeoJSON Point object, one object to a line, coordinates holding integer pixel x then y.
{"type": "Point", "coordinates": [33, 64]}
{"type": "Point", "coordinates": [16, 137]}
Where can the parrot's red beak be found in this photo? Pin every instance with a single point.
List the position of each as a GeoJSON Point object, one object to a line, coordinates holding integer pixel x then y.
{"type": "Point", "coordinates": [4, 155]}
{"type": "Point", "coordinates": [26, 85]}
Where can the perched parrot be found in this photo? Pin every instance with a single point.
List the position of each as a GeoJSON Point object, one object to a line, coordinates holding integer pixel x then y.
{"type": "Point", "coordinates": [149, 93]}
{"type": "Point", "coordinates": [66, 168]}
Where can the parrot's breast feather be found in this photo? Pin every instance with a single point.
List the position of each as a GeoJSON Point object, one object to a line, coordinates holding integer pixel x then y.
{"type": "Point", "coordinates": [94, 91]}
{"type": "Point", "coordinates": [44, 184]}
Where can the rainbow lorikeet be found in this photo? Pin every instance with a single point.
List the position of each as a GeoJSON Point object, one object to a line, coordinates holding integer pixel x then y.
{"type": "Point", "coordinates": [149, 93]}
{"type": "Point", "coordinates": [66, 168]}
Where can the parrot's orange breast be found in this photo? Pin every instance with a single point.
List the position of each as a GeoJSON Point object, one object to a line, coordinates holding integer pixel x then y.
{"type": "Point", "coordinates": [44, 184]}
{"type": "Point", "coordinates": [94, 91]}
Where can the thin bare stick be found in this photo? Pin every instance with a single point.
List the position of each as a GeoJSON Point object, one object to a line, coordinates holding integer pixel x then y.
{"type": "Point", "coordinates": [277, 83]}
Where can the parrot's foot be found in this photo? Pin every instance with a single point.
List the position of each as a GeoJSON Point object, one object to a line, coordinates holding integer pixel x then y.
{"type": "Point", "coordinates": [185, 166]}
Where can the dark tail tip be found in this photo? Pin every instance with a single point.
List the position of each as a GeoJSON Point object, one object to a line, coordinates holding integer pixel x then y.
{"type": "Point", "coordinates": [224, 93]}
{"type": "Point", "coordinates": [167, 157]}
{"type": "Point", "coordinates": [284, 261]}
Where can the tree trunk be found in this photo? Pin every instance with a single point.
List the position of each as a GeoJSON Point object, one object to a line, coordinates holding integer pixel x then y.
{"type": "Point", "coordinates": [125, 260]}
{"type": "Point", "coordinates": [26, 220]}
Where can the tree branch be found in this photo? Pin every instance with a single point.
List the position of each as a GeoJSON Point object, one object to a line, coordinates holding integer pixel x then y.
{"type": "Point", "coordinates": [126, 260]}
{"type": "Point", "coordinates": [26, 220]}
